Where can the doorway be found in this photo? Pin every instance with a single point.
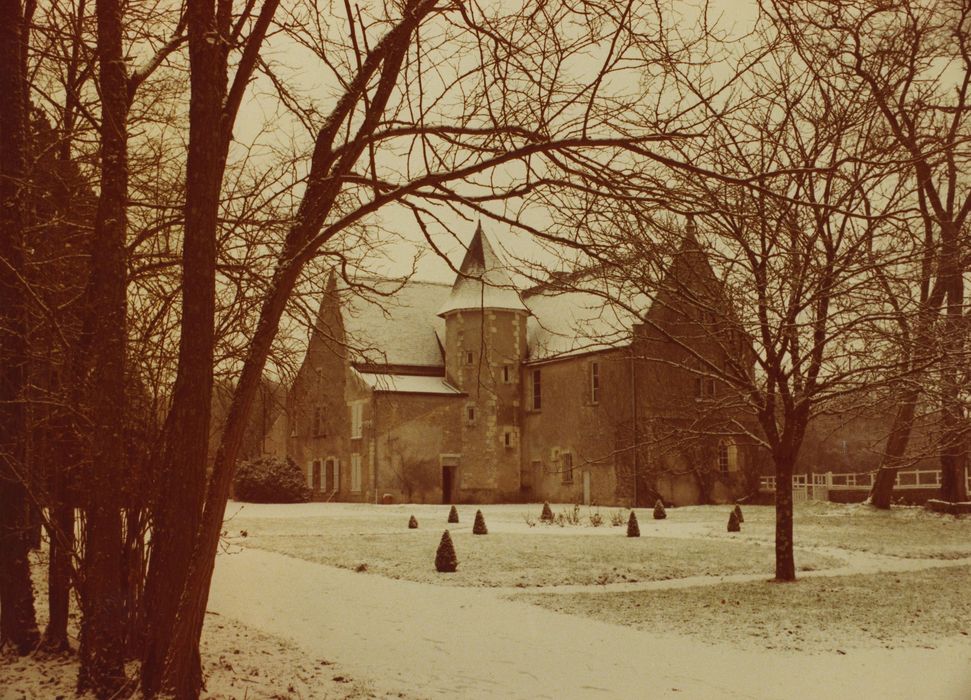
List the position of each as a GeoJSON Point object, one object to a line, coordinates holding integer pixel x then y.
{"type": "Point", "coordinates": [448, 483]}
{"type": "Point", "coordinates": [315, 476]}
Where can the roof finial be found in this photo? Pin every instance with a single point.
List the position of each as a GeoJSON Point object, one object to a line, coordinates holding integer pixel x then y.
{"type": "Point", "coordinates": [691, 228]}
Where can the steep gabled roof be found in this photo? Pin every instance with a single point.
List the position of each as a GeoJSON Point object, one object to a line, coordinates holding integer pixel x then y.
{"type": "Point", "coordinates": [398, 329]}
{"type": "Point", "coordinates": [482, 282]}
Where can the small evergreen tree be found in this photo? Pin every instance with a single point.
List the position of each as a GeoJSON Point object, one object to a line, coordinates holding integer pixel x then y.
{"type": "Point", "coordinates": [479, 527]}
{"type": "Point", "coordinates": [547, 515]}
{"type": "Point", "coordinates": [659, 512]}
{"type": "Point", "coordinates": [413, 523]}
{"type": "Point", "coordinates": [445, 559]}
{"type": "Point", "coordinates": [733, 524]}
{"type": "Point", "coordinates": [453, 515]}
{"type": "Point", "coordinates": [633, 529]}
{"type": "Point", "coordinates": [738, 513]}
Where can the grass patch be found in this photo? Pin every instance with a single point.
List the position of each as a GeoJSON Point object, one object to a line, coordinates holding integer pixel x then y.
{"type": "Point", "coordinates": [526, 559]}
{"type": "Point", "coordinates": [820, 614]}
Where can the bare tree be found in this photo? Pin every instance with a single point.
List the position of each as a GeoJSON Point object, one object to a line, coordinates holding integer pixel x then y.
{"type": "Point", "coordinates": [912, 61]}
{"type": "Point", "coordinates": [18, 625]}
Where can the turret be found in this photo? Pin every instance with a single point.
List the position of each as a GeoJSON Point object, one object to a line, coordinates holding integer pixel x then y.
{"type": "Point", "coordinates": [485, 344]}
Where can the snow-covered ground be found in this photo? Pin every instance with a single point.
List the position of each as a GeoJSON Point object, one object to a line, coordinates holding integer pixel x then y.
{"type": "Point", "coordinates": [468, 639]}
{"type": "Point", "coordinates": [576, 611]}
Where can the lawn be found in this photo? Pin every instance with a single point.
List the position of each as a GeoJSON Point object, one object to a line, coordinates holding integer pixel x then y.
{"type": "Point", "coordinates": [514, 554]}
{"type": "Point", "coordinates": [826, 613]}
{"type": "Point", "coordinates": [904, 531]}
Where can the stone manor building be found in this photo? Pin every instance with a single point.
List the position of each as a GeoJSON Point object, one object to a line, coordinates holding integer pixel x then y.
{"type": "Point", "coordinates": [478, 392]}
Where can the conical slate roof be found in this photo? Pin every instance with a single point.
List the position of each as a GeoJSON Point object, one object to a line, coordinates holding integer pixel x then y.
{"type": "Point", "coordinates": [482, 282]}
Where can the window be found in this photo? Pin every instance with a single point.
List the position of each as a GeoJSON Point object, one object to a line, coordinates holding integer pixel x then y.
{"type": "Point", "coordinates": [537, 402]}
{"type": "Point", "coordinates": [566, 467]}
{"type": "Point", "coordinates": [508, 376]}
{"type": "Point", "coordinates": [470, 414]}
{"type": "Point", "coordinates": [699, 387]}
{"type": "Point", "coordinates": [318, 421]}
{"type": "Point", "coordinates": [509, 437]}
{"type": "Point", "coordinates": [357, 419]}
{"type": "Point", "coordinates": [594, 382]}
{"type": "Point", "coordinates": [315, 475]}
{"type": "Point", "coordinates": [704, 388]}
{"type": "Point", "coordinates": [727, 457]}
{"type": "Point", "coordinates": [710, 388]}
{"type": "Point", "coordinates": [355, 473]}
{"type": "Point", "coordinates": [469, 357]}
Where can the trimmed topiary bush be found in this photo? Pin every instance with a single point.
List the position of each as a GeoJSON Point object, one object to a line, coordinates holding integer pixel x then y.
{"type": "Point", "coordinates": [733, 524]}
{"type": "Point", "coordinates": [270, 480]}
{"type": "Point", "coordinates": [479, 527]}
{"type": "Point", "coordinates": [547, 515]}
{"type": "Point", "coordinates": [633, 529]}
{"type": "Point", "coordinates": [738, 513]}
{"type": "Point", "coordinates": [445, 559]}
{"type": "Point", "coordinates": [659, 512]}
{"type": "Point", "coordinates": [412, 523]}
{"type": "Point", "coordinates": [453, 515]}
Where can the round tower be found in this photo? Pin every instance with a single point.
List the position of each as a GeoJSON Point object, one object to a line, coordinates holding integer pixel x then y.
{"type": "Point", "coordinates": [485, 345]}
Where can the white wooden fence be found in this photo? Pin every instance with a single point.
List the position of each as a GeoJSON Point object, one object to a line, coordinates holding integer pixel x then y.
{"type": "Point", "coordinates": [817, 486]}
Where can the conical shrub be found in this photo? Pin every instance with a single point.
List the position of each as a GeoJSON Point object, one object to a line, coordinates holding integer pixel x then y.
{"type": "Point", "coordinates": [633, 529]}
{"type": "Point", "coordinates": [547, 515]}
{"type": "Point", "coordinates": [445, 559]}
{"type": "Point", "coordinates": [659, 512]}
{"type": "Point", "coordinates": [412, 523]}
{"type": "Point", "coordinates": [479, 527]}
{"type": "Point", "coordinates": [453, 515]}
{"type": "Point", "coordinates": [738, 513]}
{"type": "Point", "coordinates": [733, 524]}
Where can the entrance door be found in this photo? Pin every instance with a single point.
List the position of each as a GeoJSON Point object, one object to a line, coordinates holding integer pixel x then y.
{"type": "Point", "coordinates": [586, 488]}
{"type": "Point", "coordinates": [329, 479]}
{"type": "Point", "coordinates": [315, 476]}
{"type": "Point", "coordinates": [448, 483]}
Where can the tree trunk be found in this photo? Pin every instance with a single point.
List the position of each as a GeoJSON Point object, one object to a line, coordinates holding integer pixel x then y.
{"type": "Point", "coordinates": [61, 537]}
{"type": "Point", "coordinates": [102, 650]}
{"type": "Point", "coordinates": [881, 493]}
{"type": "Point", "coordinates": [785, 565]}
{"type": "Point", "coordinates": [953, 444]}
{"type": "Point", "coordinates": [18, 624]}
{"type": "Point", "coordinates": [186, 435]}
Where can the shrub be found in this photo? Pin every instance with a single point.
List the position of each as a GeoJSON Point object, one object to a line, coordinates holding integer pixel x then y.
{"type": "Point", "coordinates": [633, 529]}
{"type": "Point", "coordinates": [547, 515]}
{"type": "Point", "coordinates": [617, 518]}
{"type": "Point", "coordinates": [659, 512]}
{"type": "Point", "coordinates": [412, 523]}
{"type": "Point", "coordinates": [738, 513]}
{"type": "Point", "coordinates": [733, 523]}
{"type": "Point", "coordinates": [596, 519]}
{"type": "Point", "coordinates": [270, 480]}
{"type": "Point", "coordinates": [445, 560]}
{"type": "Point", "coordinates": [479, 526]}
{"type": "Point", "coordinates": [453, 515]}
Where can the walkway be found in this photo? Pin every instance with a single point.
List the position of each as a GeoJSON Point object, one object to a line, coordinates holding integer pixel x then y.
{"type": "Point", "coordinates": [449, 642]}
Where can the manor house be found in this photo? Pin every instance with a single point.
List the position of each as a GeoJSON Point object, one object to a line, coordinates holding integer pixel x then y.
{"type": "Point", "coordinates": [478, 392]}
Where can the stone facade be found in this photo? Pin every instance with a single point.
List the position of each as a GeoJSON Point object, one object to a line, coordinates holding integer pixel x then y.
{"type": "Point", "coordinates": [476, 393]}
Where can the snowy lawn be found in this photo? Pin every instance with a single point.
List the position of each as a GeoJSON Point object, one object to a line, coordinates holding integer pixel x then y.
{"type": "Point", "coordinates": [905, 609]}
{"type": "Point", "coordinates": [904, 531]}
{"type": "Point", "coordinates": [376, 539]}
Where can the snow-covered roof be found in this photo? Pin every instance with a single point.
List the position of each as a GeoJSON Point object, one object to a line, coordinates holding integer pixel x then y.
{"type": "Point", "coordinates": [483, 282]}
{"type": "Point", "coordinates": [407, 384]}
{"type": "Point", "coordinates": [398, 329]}
{"type": "Point", "coordinates": [575, 322]}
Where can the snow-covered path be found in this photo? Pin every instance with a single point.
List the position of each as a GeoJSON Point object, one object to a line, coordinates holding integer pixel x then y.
{"type": "Point", "coordinates": [450, 642]}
